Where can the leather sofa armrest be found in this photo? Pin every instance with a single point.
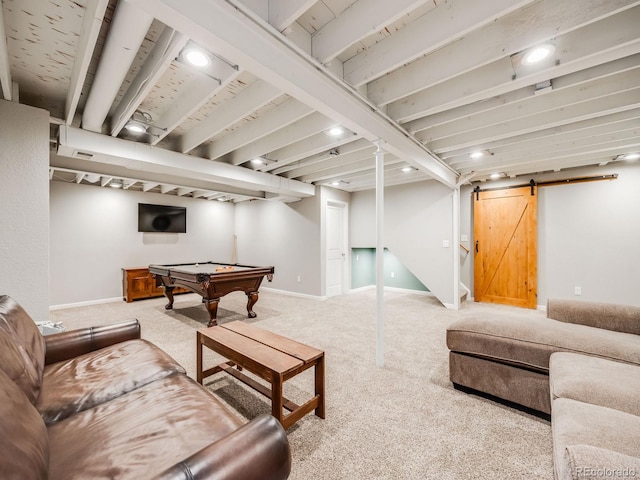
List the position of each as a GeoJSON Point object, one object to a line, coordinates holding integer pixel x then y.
{"type": "Point", "coordinates": [65, 345]}
{"type": "Point", "coordinates": [609, 316]}
{"type": "Point", "coordinates": [256, 451]}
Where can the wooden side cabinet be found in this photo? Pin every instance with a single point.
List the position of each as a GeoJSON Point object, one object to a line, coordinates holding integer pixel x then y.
{"type": "Point", "coordinates": [137, 283]}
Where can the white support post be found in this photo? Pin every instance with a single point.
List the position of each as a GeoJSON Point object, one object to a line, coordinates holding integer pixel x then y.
{"type": "Point", "coordinates": [456, 248]}
{"type": "Point", "coordinates": [379, 256]}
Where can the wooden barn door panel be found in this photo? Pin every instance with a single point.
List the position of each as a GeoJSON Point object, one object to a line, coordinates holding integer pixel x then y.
{"type": "Point", "coordinates": [505, 231]}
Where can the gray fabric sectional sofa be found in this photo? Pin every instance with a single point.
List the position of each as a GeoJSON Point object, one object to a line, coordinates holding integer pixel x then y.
{"type": "Point", "coordinates": [580, 365]}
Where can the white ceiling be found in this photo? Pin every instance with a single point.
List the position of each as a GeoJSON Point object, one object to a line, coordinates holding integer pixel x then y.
{"type": "Point", "coordinates": [428, 81]}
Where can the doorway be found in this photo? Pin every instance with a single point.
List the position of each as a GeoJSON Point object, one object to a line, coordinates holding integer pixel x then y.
{"type": "Point", "coordinates": [505, 234]}
{"type": "Point", "coordinates": [336, 248]}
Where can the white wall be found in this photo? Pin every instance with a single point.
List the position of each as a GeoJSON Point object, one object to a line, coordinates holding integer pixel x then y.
{"type": "Point", "coordinates": [24, 200]}
{"type": "Point", "coordinates": [94, 234]}
{"type": "Point", "coordinates": [418, 217]}
{"type": "Point", "coordinates": [588, 235]}
{"type": "Point", "coordinates": [285, 235]}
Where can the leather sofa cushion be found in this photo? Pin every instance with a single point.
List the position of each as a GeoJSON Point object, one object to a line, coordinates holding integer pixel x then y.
{"type": "Point", "coordinates": [595, 380]}
{"type": "Point", "coordinates": [530, 342]}
{"type": "Point", "coordinates": [139, 434]}
{"type": "Point", "coordinates": [24, 444]}
{"type": "Point", "coordinates": [88, 380]}
{"type": "Point", "coordinates": [576, 423]}
{"type": "Point", "coordinates": [21, 348]}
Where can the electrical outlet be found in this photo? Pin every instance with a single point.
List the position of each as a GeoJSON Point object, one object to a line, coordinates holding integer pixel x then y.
{"type": "Point", "coordinates": [393, 275]}
{"type": "Point", "coordinates": [577, 290]}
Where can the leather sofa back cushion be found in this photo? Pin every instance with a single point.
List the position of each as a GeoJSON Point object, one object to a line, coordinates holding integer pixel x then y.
{"type": "Point", "coordinates": [24, 444]}
{"type": "Point", "coordinates": [21, 348]}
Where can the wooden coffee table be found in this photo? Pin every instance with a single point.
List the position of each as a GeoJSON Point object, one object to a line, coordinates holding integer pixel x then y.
{"type": "Point", "coordinates": [271, 357]}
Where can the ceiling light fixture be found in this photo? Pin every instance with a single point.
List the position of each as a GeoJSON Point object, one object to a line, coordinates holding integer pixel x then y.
{"type": "Point", "coordinates": [537, 54]}
{"type": "Point", "coordinates": [258, 161]}
{"type": "Point", "coordinates": [630, 156]}
{"type": "Point", "coordinates": [336, 131]}
{"type": "Point", "coordinates": [135, 127]}
{"type": "Point", "coordinates": [408, 169]}
{"type": "Point", "coordinates": [115, 184]}
{"type": "Point", "coordinates": [477, 154]}
{"type": "Point", "coordinates": [196, 57]}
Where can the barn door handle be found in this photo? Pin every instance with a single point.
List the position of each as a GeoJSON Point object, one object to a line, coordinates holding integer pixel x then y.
{"type": "Point", "coordinates": [476, 246]}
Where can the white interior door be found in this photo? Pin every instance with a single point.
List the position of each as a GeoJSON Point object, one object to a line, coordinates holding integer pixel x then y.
{"type": "Point", "coordinates": [336, 249]}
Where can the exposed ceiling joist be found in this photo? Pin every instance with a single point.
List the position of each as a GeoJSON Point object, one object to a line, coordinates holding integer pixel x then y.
{"type": "Point", "coordinates": [5, 67]}
{"type": "Point", "coordinates": [222, 26]}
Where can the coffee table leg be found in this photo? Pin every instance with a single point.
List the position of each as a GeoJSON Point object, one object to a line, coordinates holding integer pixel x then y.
{"type": "Point", "coordinates": [276, 396]}
{"type": "Point", "coordinates": [199, 358]}
{"type": "Point", "coordinates": [319, 381]}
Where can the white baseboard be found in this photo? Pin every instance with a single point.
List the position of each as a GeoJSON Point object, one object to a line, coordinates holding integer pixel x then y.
{"type": "Point", "coordinates": [85, 304]}
{"type": "Point", "coordinates": [292, 294]}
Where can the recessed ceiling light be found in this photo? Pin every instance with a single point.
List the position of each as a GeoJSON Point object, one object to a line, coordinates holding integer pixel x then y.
{"type": "Point", "coordinates": [196, 57]}
{"type": "Point", "coordinates": [336, 131]}
{"type": "Point", "coordinates": [135, 127]}
{"type": "Point", "coordinates": [335, 184]}
{"type": "Point", "coordinates": [257, 161]}
{"type": "Point", "coordinates": [476, 154]}
{"type": "Point", "coordinates": [407, 169]}
{"type": "Point", "coordinates": [537, 54]}
{"type": "Point", "coordinates": [496, 175]}
{"type": "Point", "coordinates": [631, 156]}
{"type": "Point", "coordinates": [116, 184]}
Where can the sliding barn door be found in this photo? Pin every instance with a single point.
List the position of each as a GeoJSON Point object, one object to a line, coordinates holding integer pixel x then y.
{"type": "Point", "coordinates": [505, 234]}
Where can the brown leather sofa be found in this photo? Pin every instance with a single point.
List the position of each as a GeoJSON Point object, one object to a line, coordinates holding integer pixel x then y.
{"type": "Point", "coordinates": [103, 403]}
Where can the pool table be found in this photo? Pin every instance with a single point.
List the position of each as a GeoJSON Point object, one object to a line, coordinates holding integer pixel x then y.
{"type": "Point", "coordinates": [212, 280]}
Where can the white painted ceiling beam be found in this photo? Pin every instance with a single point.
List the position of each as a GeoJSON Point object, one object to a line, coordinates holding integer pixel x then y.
{"type": "Point", "coordinates": [309, 164]}
{"type": "Point", "coordinates": [576, 53]}
{"type": "Point", "coordinates": [146, 158]}
{"type": "Point", "coordinates": [195, 96]}
{"type": "Point", "coordinates": [91, 24]}
{"type": "Point", "coordinates": [508, 35]}
{"type": "Point", "coordinates": [320, 142]}
{"type": "Point", "coordinates": [164, 51]}
{"type": "Point", "coordinates": [230, 28]}
{"type": "Point", "coordinates": [333, 162]}
{"type": "Point", "coordinates": [250, 99]}
{"type": "Point", "coordinates": [347, 170]}
{"type": "Point", "coordinates": [536, 105]}
{"type": "Point", "coordinates": [618, 139]}
{"type": "Point", "coordinates": [301, 129]}
{"type": "Point", "coordinates": [278, 117]}
{"type": "Point", "coordinates": [126, 33]}
{"type": "Point", "coordinates": [559, 83]}
{"type": "Point", "coordinates": [447, 22]}
{"type": "Point", "coordinates": [146, 186]}
{"type": "Point", "coordinates": [283, 13]}
{"type": "Point", "coordinates": [522, 144]}
{"type": "Point", "coordinates": [575, 130]}
{"type": "Point", "coordinates": [618, 102]}
{"type": "Point", "coordinates": [356, 22]}
{"type": "Point", "coordinates": [5, 66]}
{"type": "Point", "coordinates": [366, 174]}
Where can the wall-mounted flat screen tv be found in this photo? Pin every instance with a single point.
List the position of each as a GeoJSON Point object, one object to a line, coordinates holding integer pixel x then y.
{"type": "Point", "coordinates": [161, 218]}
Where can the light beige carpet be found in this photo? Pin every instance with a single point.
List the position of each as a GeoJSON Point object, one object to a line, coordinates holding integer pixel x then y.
{"type": "Point", "coordinates": [401, 421]}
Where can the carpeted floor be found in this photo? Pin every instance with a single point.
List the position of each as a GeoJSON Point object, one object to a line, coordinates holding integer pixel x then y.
{"type": "Point", "coordinates": [402, 421]}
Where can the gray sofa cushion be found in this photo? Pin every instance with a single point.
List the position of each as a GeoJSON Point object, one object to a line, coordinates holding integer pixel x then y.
{"type": "Point", "coordinates": [621, 318]}
{"type": "Point", "coordinates": [530, 342]}
{"type": "Point", "coordinates": [576, 423]}
{"type": "Point", "coordinates": [595, 380]}
{"type": "Point", "coordinates": [587, 462]}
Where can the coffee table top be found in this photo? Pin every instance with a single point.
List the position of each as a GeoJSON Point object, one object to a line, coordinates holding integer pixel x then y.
{"type": "Point", "coordinates": [275, 352]}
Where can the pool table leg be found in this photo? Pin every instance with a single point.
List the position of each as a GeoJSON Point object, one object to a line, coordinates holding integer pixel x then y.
{"type": "Point", "coordinates": [212, 308]}
{"type": "Point", "coordinates": [252, 298]}
{"type": "Point", "coordinates": [168, 292]}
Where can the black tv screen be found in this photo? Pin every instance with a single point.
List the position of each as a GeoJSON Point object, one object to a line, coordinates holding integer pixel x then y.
{"type": "Point", "coordinates": [161, 218]}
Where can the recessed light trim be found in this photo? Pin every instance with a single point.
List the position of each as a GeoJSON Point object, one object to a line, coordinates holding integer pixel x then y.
{"type": "Point", "coordinates": [336, 131]}
{"type": "Point", "coordinates": [538, 54]}
{"type": "Point", "coordinates": [196, 57]}
{"type": "Point", "coordinates": [135, 127]}
{"type": "Point", "coordinates": [476, 154]}
{"type": "Point", "coordinates": [631, 156]}
{"type": "Point", "coordinates": [495, 175]}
